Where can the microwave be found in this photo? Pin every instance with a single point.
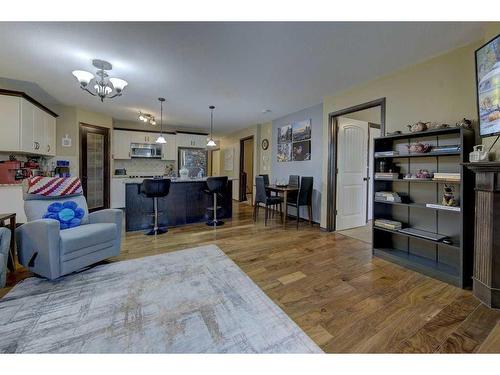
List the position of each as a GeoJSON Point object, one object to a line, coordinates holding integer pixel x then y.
{"type": "Point", "coordinates": [145, 150]}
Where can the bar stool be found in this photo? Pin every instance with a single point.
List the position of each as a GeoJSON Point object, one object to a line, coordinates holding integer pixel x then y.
{"type": "Point", "coordinates": [156, 188]}
{"type": "Point", "coordinates": [216, 187]}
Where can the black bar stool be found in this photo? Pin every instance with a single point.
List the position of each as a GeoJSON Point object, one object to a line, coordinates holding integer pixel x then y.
{"type": "Point", "coordinates": [216, 187]}
{"type": "Point", "coordinates": [156, 188]}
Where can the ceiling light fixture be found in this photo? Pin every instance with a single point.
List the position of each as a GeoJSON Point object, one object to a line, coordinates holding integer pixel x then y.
{"type": "Point", "coordinates": [211, 142]}
{"type": "Point", "coordinates": [161, 139]}
{"type": "Point", "coordinates": [104, 87]}
{"type": "Point", "coordinates": [147, 118]}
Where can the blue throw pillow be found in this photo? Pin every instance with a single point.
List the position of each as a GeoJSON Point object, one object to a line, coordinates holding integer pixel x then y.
{"type": "Point", "coordinates": [68, 214]}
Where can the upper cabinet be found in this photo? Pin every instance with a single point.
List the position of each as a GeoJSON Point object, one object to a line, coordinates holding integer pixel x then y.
{"type": "Point", "coordinates": [10, 121]}
{"type": "Point", "coordinates": [25, 127]}
{"type": "Point", "coordinates": [121, 144]}
{"type": "Point", "coordinates": [191, 140]}
{"type": "Point", "coordinates": [169, 149]}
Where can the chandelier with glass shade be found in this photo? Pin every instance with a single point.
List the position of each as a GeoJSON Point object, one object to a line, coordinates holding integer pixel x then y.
{"type": "Point", "coordinates": [104, 87]}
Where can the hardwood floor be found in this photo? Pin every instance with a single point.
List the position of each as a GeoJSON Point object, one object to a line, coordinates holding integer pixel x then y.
{"type": "Point", "coordinates": [330, 285]}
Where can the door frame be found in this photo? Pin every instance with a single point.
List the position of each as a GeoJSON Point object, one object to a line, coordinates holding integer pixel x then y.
{"type": "Point", "coordinates": [241, 188]}
{"type": "Point", "coordinates": [368, 156]}
{"type": "Point", "coordinates": [83, 159]}
{"type": "Point", "coordinates": [331, 204]}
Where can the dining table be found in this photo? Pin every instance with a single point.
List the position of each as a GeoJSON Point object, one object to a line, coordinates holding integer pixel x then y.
{"type": "Point", "coordinates": [283, 190]}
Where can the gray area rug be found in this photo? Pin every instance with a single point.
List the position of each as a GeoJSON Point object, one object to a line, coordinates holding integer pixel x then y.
{"type": "Point", "coordinates": [190, 301]}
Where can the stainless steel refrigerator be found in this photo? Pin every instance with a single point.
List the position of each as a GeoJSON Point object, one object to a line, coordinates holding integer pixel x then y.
{"type": "Point", "coordinates": [194, 159]}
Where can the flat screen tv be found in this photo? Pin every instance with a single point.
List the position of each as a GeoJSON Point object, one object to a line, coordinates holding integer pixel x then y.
{"type": "Point", "coordinates": [488, 87]}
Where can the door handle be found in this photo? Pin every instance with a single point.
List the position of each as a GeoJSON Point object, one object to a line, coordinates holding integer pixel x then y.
{"type": "Point", "coordinates": [366, 178]}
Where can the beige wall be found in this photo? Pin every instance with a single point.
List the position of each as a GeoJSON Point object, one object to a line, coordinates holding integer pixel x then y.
{"type": "Point", "coordinates": [68, 123]}
{"type": "Point", "coordinates": [441, 89]}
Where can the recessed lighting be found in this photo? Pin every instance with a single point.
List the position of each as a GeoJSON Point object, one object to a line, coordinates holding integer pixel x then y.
{"type": "Point", "coordinates": [266, 111]}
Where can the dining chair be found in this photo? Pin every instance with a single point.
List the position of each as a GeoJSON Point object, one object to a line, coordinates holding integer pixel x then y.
{"type": "Point", "coordinates": [262, 197]}
{"type": "Point", "coordinates": [293, 181]}
{"type": "Point", "coordinates": [304, 198]}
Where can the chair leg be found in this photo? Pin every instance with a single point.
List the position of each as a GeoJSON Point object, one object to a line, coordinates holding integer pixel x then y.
{"type": "Point", "coordinates": [255, 212]}
{"type": "Point", "coordinates": [298, 216]}
{"type": "Point", "coordinates": [310, 208]}
{"type": "Point", "coordinates": [281, 212]}
{"type": "Point", "coordinates": [266, 214]}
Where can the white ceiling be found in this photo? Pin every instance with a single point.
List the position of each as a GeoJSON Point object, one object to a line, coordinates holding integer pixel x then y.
{"type": "Point", "coordinates": [242, 68]}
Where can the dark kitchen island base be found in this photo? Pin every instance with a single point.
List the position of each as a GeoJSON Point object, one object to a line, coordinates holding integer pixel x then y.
{"type": "Point", "coordinates": [186, 203]}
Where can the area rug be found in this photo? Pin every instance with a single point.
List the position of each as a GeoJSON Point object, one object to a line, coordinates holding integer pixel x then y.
{"type": "Point", "coordinates": [189, 301]}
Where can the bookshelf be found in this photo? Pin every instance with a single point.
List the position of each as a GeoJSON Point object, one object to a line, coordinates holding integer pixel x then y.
{"type": "Point", "coordinates": [451, 263]}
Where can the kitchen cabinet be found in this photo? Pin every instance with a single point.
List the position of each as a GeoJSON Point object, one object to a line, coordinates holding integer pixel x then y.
{"type": "Point", "coordinates": [169, 149]}
{"type": "Point", "coordinates": [121, 144]}
{"type": "Point", "coordinates": [191, 140]}
{"type": "Point", "coordinates": [10, 108]}
{"type": "Point", "coordinates": [143, 137]}
{"type": "Point", "coordinates": [25, 127]}
{"type": "Point", "coordinates": [118, 192]}
{"type": "Point", "coordinates": [50, 134]}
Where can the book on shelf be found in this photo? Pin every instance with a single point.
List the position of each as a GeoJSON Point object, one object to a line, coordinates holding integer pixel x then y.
{"type": "Point", "coordinates": [423, 234]}
{"type": "Point", "coordinates": [388, 224]}
{"type": "Point", "coordinates": [446, 176]}
{"type": "Point", "coordinates": [387, 153]}
{"type": "Point", "coordinates": [387, 196]}
{"type": "Point", "coordinates": [443, 207]}
{"type": "Point", "coordinates": [386, 176]}
{"type": "Point", "coordinates": [445, 149]}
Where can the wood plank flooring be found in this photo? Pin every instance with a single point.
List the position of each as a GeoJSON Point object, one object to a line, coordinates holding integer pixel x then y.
{"type": "Point", "coordinates": [329, 284]}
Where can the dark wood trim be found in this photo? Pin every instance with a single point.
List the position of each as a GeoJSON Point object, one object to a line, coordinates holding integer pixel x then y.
{"type": "Point", "coordinates": [332, 153]}
{"type": "Point", "coordinates": [242, 186]}
{"type": "Point", "coordinates": [188, 132]}
{"type": "Point", "coordinates": [83, 158]}
{"type": "Point", "coordinates": [29, 99]}
{"type": "Point", "coordinates": [144, 131]}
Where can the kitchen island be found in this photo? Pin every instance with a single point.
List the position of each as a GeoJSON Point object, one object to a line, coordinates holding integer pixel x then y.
{"type": "Point", "coordinates": [186, 203]}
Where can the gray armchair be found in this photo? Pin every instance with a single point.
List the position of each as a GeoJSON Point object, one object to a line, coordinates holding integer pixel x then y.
{"type": "Point", "coordinates": [4, 254]}
{"type": "Point", "coordinates": [51, 252]}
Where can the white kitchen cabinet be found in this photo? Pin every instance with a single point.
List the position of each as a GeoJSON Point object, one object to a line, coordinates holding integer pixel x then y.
{"type": "Point", "coordinates": [169, 149]}
{"type": "Point", "coordinates": [25, 127]}
{"type": "Point", "coordinates": [191, 140]}
{"type": "Point", "coordinates": [27, 124]}
{"type": "Point", "coordinates": [50, 134]}
{"type": "Point", "coordinates": [39, 130]}
{"type": "Point", "coordinates": [143, 137]}
{"type": "Point", "coordinates": [121, 144]}
{"type": "Point", "coordinates": [10, 115]}
{"type": "Point", "coordinates": [118, 192]}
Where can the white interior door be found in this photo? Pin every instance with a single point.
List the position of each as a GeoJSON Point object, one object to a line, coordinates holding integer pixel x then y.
{"type": "Point", "coordinates": [373, 133]}
{"type": "Point", "coordinates": [352, 164]}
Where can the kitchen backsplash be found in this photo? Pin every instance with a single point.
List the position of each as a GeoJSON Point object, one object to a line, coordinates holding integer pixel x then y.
{"type": "Point", "coordinates": [146, 166]}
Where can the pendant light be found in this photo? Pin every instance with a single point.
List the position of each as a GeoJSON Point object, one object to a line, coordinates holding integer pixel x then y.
{"type": "Point", "coordinates": [211, 142]}
{"type": "Point", "coordinates": [161, 138]}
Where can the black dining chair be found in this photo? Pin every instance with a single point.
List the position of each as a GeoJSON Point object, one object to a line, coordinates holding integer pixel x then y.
{"type": "Point", "coordinates": [261, 197]}
{"type": "Point", "coordinates": [304, 198]}
{"type": "Point", "coordinates": [293, 181]}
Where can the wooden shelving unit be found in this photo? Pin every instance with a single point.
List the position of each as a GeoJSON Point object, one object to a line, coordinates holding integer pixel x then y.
{"type": "Point", "coordinates": [451, 263]}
